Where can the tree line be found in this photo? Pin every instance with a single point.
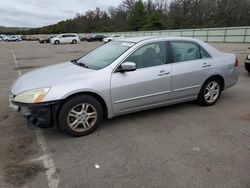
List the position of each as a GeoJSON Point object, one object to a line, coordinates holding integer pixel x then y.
{"type": "Point", "coordinates": [137, 15]}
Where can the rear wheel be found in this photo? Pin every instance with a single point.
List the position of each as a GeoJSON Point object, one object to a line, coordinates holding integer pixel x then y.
{"type": "Point", "coordinates": [80, 115]}
{"type": "Point", "coordinates": [74, 41]}
{"type": "Point", "coordinates": [210, 92]}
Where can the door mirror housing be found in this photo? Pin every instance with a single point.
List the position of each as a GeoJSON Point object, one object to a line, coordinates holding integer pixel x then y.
{"type": "Point", "coordinates": [127, 66]}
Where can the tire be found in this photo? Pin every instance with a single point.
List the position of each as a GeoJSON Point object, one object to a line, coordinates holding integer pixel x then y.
{"type": "Point", "coordinates": [208, 97]}
{"type": "Point", "coordinates": [109, 40]}
{"type": "Point", "coordinates": [74, 41]}
{"type": "Point", "coordinates": [57, 42]}
{"type": "Point", "coordinates": [6, 40]}
{"type": "Point", "coordinates": [74, 115]}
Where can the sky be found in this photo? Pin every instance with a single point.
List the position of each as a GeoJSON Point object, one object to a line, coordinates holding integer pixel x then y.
{"type": "Point", "coordinates": [36, 13]}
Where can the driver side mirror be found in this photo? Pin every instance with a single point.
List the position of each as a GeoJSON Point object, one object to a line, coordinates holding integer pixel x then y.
{"type": "Point", "coordinates": [126, 67]}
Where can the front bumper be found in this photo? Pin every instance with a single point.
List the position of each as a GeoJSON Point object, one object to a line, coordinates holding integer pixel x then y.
{"type": "Point", "coordinates": [41, 115]}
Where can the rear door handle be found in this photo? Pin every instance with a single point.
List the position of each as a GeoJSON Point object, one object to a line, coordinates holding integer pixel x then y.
{"type": "Point", "coordinates": [163, 72]}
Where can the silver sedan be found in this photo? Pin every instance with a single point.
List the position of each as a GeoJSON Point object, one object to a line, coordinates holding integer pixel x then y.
{"type": "Point", "coordinates": [124, 76]}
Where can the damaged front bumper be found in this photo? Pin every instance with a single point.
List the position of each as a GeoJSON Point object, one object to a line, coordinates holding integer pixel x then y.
{"type": "Point", "coordinates": [41, 115]}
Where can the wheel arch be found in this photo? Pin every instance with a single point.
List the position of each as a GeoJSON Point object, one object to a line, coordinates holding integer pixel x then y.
{"type": "Point", "coordinates": [95, 95]}
{"type": "Point", "coordinates": [218, 77]}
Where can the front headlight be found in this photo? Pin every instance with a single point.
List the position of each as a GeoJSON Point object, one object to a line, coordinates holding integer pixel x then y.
{"type": "Point", "coordinates": [32, 96]}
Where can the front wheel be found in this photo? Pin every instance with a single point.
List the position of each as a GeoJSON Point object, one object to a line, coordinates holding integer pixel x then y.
{"type": "Point", "coordinates": [57, 42]}
{"type": "Point", "coordinates": [210, 92]}
{"type": "Point", "coordinates": [80, 115]}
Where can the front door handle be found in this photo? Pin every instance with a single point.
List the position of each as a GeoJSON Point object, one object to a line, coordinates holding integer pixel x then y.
{"type": "Point", "coordinates": [163, 72]}
{"type": "Point", "coordinates": [205, 65]}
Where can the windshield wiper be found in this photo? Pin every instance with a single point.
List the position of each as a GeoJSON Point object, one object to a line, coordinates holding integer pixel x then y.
{"type": "Point", "coordinates": [73, 61]}
{"type": "Point", "coordinates": [79, 63]}
{"type": "Point", "coordinates": [83, 65]}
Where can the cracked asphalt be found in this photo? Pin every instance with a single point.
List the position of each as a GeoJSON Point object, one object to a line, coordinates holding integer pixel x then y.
{"type": "Point", "coordinates": [183, 145]}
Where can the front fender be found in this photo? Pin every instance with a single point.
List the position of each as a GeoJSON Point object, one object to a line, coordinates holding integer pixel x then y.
{"type": "Point", "coordinates": [99, 87]}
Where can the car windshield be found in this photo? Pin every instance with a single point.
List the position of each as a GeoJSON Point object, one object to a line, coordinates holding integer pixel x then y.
{"type": "Point", "coordinates": [104, 55]}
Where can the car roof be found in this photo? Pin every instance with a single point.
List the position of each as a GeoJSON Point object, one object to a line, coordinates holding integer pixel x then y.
{"type": "Point", "coordinates": [140, 39]}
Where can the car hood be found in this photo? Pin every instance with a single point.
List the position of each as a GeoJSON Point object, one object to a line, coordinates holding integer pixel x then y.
{"type": "Point", "coordinates": [49, 76]}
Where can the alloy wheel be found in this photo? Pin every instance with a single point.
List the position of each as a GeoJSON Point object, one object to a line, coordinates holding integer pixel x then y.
{"type": "Point", "coordinates": [82, 117]}
{"type": "Point", "coordinates": [212, 92]}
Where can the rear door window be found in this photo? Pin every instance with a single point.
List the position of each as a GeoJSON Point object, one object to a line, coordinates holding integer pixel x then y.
{"type": "Point", "coordinates": [187, 51]}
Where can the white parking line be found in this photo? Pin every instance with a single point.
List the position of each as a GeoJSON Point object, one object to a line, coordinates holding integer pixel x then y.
{"type": "Point", "coordinates": [15, 61]}
{"type": "Point", "coordinates": [51, 172]}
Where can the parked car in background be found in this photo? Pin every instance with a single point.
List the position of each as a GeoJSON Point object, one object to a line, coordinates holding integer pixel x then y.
{"type": "Point", "coordinates": [23, 37]}
{"type": "Point", "coordinates": [96, 38]}
{"type": "Point", "coordinates": [65, 38]}
{"type": "Point", "coordinates": [19, 37]}
{"type": "Point", "coordinates": [44, 39]}
{"type": "Point", "coordinates": [12, 38]}
{"type": "Point", "coordinates": [2, 36]}
{"type": "Point", "coordinates": [108, 39]}
{"type": "Point", "coordinates": [29, 38]}
{"type": "Point", "coordinates": [247, 63]}
{"type": "Point", "coordinates": [82, 37]}
{"type": "Point", "coordinates": [123, 76]}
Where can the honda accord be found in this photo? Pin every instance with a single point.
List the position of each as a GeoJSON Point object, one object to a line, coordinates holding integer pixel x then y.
{"type": "Point", "coordinates": [124, 76]}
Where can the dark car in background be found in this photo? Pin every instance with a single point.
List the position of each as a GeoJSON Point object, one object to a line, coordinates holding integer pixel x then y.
{"type": "Point", "coordinates": [96, 38]}
{"type": "Point", "coordinates": [247, 63]}
{"type": "Point", "coordinates": [44, 39]}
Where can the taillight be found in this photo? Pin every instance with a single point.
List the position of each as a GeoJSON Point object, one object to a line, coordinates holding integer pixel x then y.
{"type": "Point", "coordinates": [237, 63]}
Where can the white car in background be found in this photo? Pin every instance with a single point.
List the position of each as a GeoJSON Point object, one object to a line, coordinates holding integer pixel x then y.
{"type": "Point", "coordinates": [65, 38]}
{"type": "Point", "coordinates": [108, 39]}
{"type": "Point", "coordinates": [12, 38]}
